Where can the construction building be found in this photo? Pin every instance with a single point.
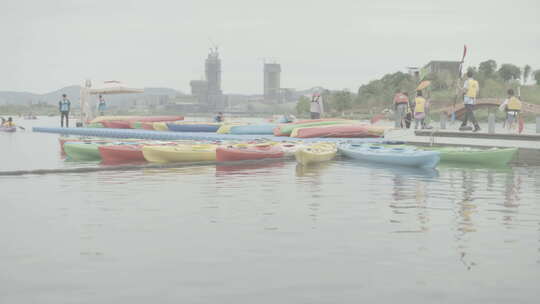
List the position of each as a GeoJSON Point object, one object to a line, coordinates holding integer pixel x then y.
{"type": "Point", "coordinates": [272, 82]}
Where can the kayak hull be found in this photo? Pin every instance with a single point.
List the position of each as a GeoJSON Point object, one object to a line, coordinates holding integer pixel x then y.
{"type": "Point", "coordinates": [248, 152]}
{"type": "Point", "coordinates": [316, 153]}
{"type": "Point", "coordinates": [179, 153]}
{"type": "Point", "coordinates": [193, 127]}
{"type": "Point", "coordinates": [391, 156]}
{"type": "Point", "coordinates": [253, 129]}
{"type": "Point", "coordinates": [121, 153]}
{"type": "Point", "coordinates": [82, 151]}
{"type": "Point", "coordinates": [8, 129]}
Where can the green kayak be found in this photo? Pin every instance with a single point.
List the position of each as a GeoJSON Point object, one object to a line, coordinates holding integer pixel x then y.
{"type": "Point", "coordinates": [82, 151]}
{"type": "Point", "coordinates": [465, 155]}
{"type": "Point", "coordinates": [489, 157]}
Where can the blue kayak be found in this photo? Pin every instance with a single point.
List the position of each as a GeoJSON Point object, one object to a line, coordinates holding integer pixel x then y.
{"type": "Point", "coordinates": [254, 129]}
{"type": "Point", "coordinates": [392, 156]}
{"type": "Point", "coordinates": [193, 127]}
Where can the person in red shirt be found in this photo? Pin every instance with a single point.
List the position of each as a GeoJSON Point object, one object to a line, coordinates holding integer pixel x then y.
{"type": "Point", "coordinates": [401, 106]}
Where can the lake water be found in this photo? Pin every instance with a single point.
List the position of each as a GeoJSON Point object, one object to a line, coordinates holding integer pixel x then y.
{"type": "Point", "coordinates": [340, 232]}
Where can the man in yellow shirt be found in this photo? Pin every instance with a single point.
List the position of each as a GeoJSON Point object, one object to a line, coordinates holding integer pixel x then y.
{"type": "Point", "coordinates": [470, 90]}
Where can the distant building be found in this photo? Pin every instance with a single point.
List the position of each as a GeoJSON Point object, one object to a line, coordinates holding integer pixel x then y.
{"type": "Point", "coordinates": [440, 67]}
{"type": "Point", "coordinates": [272, 82]}
{"type": "Point", "coordinates": [199, 89]}
{"type": "Point", "coordinates": [208, 92]}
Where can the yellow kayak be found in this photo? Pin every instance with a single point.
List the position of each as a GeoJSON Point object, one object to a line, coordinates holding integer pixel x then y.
{"type": "Point", "coordinates": [316, 153]}
{"type": "Point", "coordinates": [160, 126]}
{"type": "Point", "coordinates": [180, 153]}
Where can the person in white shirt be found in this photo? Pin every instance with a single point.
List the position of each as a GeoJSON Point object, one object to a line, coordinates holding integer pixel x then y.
{"type": "Point", "coordinates": [316, 107]}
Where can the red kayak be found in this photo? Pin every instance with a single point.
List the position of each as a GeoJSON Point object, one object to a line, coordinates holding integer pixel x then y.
{"type": "Point", "coordinates": [348, 131]}
{"type": "Point", "coordinates": [248, 152]}
{"type": "Point", "coordinates": [116, 124]}
{"type": "Point", "coordinates": [148, 125]}
{"type": "Point", "coordinates": [121, 153]}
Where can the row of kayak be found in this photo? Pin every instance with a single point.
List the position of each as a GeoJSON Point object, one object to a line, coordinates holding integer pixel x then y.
{"type": "Point", "coordinates": [323, 128]}
{"type": "Point", "coordinates": [165, 152]}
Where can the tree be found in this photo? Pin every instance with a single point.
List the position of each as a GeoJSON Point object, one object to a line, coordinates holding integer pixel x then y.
{"type": "Point", "coordinates": [341, 100]}
{"type": "Point", "coordinates": [487, 68]}
{"type": "Point", "coordinates": [537, 77]}
{"type": "Point", "coordinates": [526, 73]}
{"type": "Point", "coordinates": [509, 72]}
{"type": "Point", "coordinates": [302, 106]}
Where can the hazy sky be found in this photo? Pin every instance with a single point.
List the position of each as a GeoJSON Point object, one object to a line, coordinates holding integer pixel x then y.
{"type": "Point", "coordinates": [337, 44]}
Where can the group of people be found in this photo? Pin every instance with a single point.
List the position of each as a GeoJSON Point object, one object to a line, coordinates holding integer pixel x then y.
{"type": "Point", "coordinates": [64, 106]}
{"type": "Point", "coordinates": [7, 122]}
{"type": "Point", "coordinates": [406, 110]}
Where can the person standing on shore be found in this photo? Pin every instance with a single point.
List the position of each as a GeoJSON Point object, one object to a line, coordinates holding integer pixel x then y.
{"type": "Point", "coordinates": [470, 90]}
{"type": "Point", "coordinates": [512, 107]}
{"type": "Point", "coordinates": [316, 108]}
{"type": "Point", "coordinates": [419, 110]}
{"type": "Point", "coordinates": [102, 106]}
{"type": "Point", "coordinates": [64, 106]}
{"type": "Point", "coordinates": [401, 105]}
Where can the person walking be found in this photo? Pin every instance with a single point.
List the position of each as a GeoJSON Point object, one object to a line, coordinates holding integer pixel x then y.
{"type": "Point", "coordinates": [512, 107]}
{"type": "Point", "coordinates": [102, 106]}
{"type": "Point", "coordinates": [64, 106]}
{"type": "Point", "coordinates": [419, 110]}
{"type": "Point", "coordinates": [401, 105]}
{"type": "Point", "coordinates": [470, 90]}
{"type": "Point", "coordinates": [316, 108]}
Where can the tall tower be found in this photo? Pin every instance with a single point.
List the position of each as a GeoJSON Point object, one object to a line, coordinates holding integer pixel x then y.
{"type": "Point", "coordinates": [213, 72]}
{"type": "Point", "coordinates": [272, 82]}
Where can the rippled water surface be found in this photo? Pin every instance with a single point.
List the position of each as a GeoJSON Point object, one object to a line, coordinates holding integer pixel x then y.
{"type": "Point", "coordinates": [339, 232]}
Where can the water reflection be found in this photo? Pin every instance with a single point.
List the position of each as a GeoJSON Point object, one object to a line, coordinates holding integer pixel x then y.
{"type": "Point", "coordinates": [264, 167]}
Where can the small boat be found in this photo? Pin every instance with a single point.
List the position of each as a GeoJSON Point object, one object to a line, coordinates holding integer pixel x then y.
{"type": "Point", "coordinates": [316, 153]}
{"type": "Point", "coordinates": [248, 152]}
{"type": "Point", "coordinates": [180, 153]}
{"type": "Point", "coordinates": [393, 156]}
{"type": "Point", "coordinates": [8, 129]}
{"type": "Point", "coordinates": [198, 127]}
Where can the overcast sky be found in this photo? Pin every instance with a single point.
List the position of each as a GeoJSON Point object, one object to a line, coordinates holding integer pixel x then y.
{"type": "Point", "coordinates": [336, 44]}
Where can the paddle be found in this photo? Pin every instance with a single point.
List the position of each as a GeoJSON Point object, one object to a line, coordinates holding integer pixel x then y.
{"type": "Point", "coordinates": [453, 118]}
{"type": "Point", "coordinates": [22, 128]}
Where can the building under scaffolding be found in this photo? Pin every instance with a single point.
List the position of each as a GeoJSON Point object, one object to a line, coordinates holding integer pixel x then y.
{"type": "Point", "coordinates": [272, 82]}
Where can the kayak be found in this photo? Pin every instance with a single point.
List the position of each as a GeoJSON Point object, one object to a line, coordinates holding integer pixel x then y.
{"type": "Point", "coordinates": [193, 127]}
{"type": "Point", "coordinates": [289, 149]}
{"type": "Point", "coordinates": [121, 153]}
{"type": "Point", "coordinates": [116, 124]}
{"type": "Point", "coordinates": [464, 155]}
{"type": "Point", "coordinates": [316, 153]}
{"type": "Point", "coordinates": [139, 118]}
{"type": "Point", "coordinates": [82, 151]}
{"type": "Point", "coordinates": [286, 129]}
{"type": "Point", "coordinates": [254, 129]}
{"type": "Point", "coordinates": [226, 128]}
{"type": "Point", "coordinates": [352, 130]}
{"type": "Point", "coordinates": [8, 129]}
{"type": "Point", "coordinates": [248, 152]}
{"type": "Point", "coordinates": [160, 126]}
{"type": "Point", "coordinates": [392, 156]}
{"type": "Point", "coordinates": [180, 153]}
